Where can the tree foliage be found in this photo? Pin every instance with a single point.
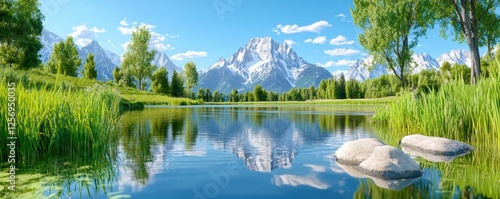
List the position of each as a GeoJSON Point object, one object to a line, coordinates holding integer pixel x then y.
{"type": "Point", "coordinates": [137, 59]}
{"type": "Point", "coordinates": [64, 58]}
{"type": "Point", "coordinates": [89, 71]}
{"type": "Point", "coordinates": [160, 81]}
{"type": "Point", "coordinates": [20, 28]}
{"type": "Point", "coordinates": [191, 75]}
{"type": "Point", "coordinates": [391, 28]}
{"type": "Point", "coordinates": [177, 85]}
{"type": "Point", "coordinates": [472, 21]}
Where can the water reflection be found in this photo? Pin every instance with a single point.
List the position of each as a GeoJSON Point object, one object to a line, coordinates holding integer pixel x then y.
{"type": "Point", "coordinates": [264, 138]}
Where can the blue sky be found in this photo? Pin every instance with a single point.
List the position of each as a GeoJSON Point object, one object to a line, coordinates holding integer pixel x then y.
{"type": "Point", "coordinates": [203, 31]}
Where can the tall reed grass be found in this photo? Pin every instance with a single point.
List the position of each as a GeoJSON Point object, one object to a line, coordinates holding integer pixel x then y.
{"type": "Point", "coordinates": [59, 123]}
{"type": "Point", "coordinates": [469, 113]}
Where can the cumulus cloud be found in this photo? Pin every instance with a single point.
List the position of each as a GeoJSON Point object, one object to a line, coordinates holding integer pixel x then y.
{"type": "Point", "coordinates": [292, 29]}
{"type": "Point", "coordinates": [342, 62]}
{"type": "Point", "coordinates": [157, 40]}
{"type": "Point", "coordinates": [83, 35]}
{"type": "Point", "coordinates": [188, 55]}
{"type": "Point", "coordinates": [317, 40]}
{"type": "Point", "coordinates": [124, 22]}
{"type": "Point", "coordinates": [341, 40]}
{"type": "Point", "coordinates": [290, 42]}
{"type": "Point", "coordinates": [341, 52]}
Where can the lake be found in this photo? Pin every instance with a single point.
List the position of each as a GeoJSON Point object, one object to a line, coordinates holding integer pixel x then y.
{"type": "Point", "coordinates": [202, 152]}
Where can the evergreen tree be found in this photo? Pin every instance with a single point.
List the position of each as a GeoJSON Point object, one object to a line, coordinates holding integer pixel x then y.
{"type": "Point", "coordinates": [64, 58]}
{"type": "Point", "coordinates": [341, 87]}
{"type": "Point", "coordinates": [89, 71]}
{"type": "Point", "coordinates": [137, 59]}
{"type": "Point", "coordinates": [208, 96]}
{"type": "Point", "coordinates": [160, 81]}
{"type": "Point", "coordinates": [177, 85]}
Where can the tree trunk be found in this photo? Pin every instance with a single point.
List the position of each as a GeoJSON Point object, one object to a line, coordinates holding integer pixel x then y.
{"type": "Point", "coordinates": [468, 24]}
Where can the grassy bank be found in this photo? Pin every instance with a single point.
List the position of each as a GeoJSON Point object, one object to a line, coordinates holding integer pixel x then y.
{"type": "Point", "coordinates": [458, 111]}
{"type": "Point", "coordinates": [58, 122]}
{"type": "Point", "coordinates": [314, 102]}
{"type": "Point", "coordinates": [131, 98]}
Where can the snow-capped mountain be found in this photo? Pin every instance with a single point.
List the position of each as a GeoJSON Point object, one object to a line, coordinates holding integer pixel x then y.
{"type": "Point", "coordinates": [104, 65]}
{"type": "Point", "coordinates": [161, 60]}
{"type": "Point", "coordinates": [106, 61]}
{"type": "Point", "coordinates": [455, 56]}
{"type": "Point", "coordinates": [262, 61]}
{"type": "Point", "coordinates": [115, 59]}
{"type": "Point", "coordinates": [48, 40]}
{"type": "Point", "coordinates": [422, 62]}
{"type": "Point", "coordinates": [365, 69]}
{"type": "Point", "coordinates": [360, 70]}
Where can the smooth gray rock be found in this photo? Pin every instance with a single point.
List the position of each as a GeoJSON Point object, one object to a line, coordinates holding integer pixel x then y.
{"type": "Point", "coordinates": [355, 152]}
{"type": "Point", "coordinates": [388, 162]}
{"type": "Point", "coordinates": [435, 145]}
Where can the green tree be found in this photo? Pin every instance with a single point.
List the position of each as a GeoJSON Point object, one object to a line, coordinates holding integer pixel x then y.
{"type": "Point", "coordinates": [470, 22]}
{"type": "Point", "coordinates": [201, 94]}
{"type": "Point", "coordinates": [191, 75]}
{"type": "Point", "coordinates": [137, 59]}
{"type": "Point", "coordinates": [391, 28]}
{"type": "Point", "coordinates": [342, 87]}
{"type": "Point", "coordinates": [177, 85]}
{"type": "Point", "coordinates": [208, 96]}
{"type": "Point", "coordinates": [160, 81]}
{"type": "Point", "coordinates": [233, 96]}
{"type": "Point", "coordinates": [259, 93]}
{"type": "Point", "coordinates": [64, 58]}
{"type": "Point", "coordinates": [20, 28]}
{"type": "Point", "coordinates": [89, 71]}
{"type": "Point", "coordinates": [117, 75]}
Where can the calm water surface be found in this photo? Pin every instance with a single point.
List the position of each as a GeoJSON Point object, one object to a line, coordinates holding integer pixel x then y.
{"type": "Point", "coordinates": [243, 152]}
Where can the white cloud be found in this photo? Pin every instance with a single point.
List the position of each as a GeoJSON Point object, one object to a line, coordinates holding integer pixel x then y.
{"type": "Point", "coordinates": [341, 40]}
{"type": "Point", "coordinates": [189, 54]}
{"type": "Point", "coordinates": [290, 42]}
{"type": "Point", "coordinates": [171, 36]}
{"type": "Point", "coordinates": [341, 52]}
{"type": "Point", "coordinates": [342, 62]}
{"type": "Point", "coordinates": [292, 29]}
{"type": "Point", "coordinates": [83, 35]}
{"type": "Point", "coordinates": [157, 40]}
{"type": "Point", "coordinates": [124, 22]}
{"type": "Point", "coordinates": [317, 40]}
{"type": "Point", "coordinates": [341, 16]}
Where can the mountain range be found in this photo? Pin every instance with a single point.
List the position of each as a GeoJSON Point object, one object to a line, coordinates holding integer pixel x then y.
{"type": "Point", "coordinates": [261, 61]}
{"type": "Point", "coordinates": [361, 71]}
{"type": "Point", "coordinates": [106, 61]}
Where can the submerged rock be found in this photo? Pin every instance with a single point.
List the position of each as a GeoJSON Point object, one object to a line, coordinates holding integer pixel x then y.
{"type": "Point", "coordinates": [372, 158]}
{"type": "Point", "coordinates": [355, 152]}
{"type": "Point", "coordinates": [388, 162]}
{"type": "Point", "coordinates": [435, 145]}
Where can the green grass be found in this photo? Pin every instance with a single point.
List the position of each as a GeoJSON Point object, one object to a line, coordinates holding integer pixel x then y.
{"type": "Point", "coordinates": [42, 80]}
{"type": "Point", "coordinates": [469, 113]}
{"type": "Point", "coordinates": [314, 102]}
{"type": "Point", "coordinates": [59, 122]}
